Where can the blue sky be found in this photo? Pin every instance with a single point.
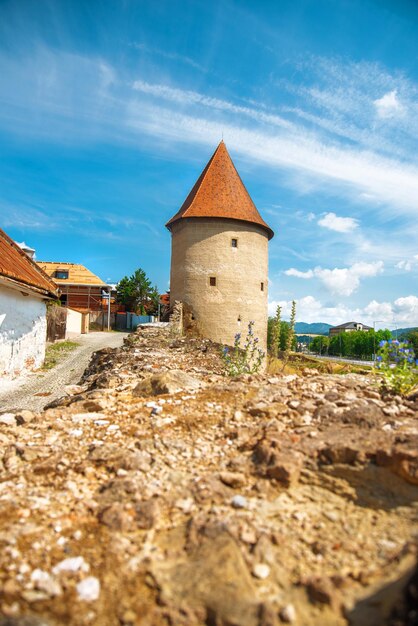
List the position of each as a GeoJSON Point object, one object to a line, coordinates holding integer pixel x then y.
{"type": "Point", "coordinates": [110, 109]}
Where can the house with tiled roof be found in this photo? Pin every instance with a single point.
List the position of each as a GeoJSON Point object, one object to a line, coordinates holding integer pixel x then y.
{"type": "Point", "coordinates": [24, 291]}
{"type": "Point", "coordinates": [348, 327]}
{"type": "Point", "coordinates": [219, 254]}
{"type": "Point", "coordinates": [80, 288]}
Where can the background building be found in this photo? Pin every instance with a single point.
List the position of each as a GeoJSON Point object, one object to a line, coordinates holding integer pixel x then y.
{"type": "Point", "coordinates": [219, 255]}
{"type": "Point", "coordinates": [80, 288]}
{"type": "Point", "coordinates": [348, 327]}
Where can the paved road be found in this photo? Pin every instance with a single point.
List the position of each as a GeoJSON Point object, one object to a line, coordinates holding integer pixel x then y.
{"type": "Point", "coordinates": [40, 388]}
{"type": "Point", "coordinates": [341, 359]}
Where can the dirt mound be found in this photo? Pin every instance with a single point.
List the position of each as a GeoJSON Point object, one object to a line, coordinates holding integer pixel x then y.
{"type": "Point", "coordinates": [149, 497]}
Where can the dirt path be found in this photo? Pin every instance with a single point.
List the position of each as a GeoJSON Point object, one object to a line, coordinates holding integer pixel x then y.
{"type": "Point", "coordinates": [26, 393]}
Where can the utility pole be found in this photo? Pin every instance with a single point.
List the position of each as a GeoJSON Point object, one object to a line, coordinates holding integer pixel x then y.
{"type": "Point", "coordinates": [106, 295]}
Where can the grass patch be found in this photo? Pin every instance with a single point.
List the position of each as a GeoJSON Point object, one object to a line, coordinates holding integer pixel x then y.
{"type": "Point", "coordinates": [298, 362]}
{"type": "Point", "coordinates": [57, 351]}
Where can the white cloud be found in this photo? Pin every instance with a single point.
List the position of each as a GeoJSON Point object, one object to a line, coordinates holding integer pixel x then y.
{"type": "Point", "coordinates": [403, 312]}
{"type": "Point", "coordinates": [342, 281]}
{"type": "Point", "coordinates": [406, 310]}
{"type": "Point", "coordinates": [404, 265]}
{"type": "Point", "coordinates": [382, 311]}
{"type": "Point", "coordinates": [339, 224]}
{"type": "Point", "coordinates": [388, 105]}
{"type": "Point", "coordinates": [408, 264]}
{"type": "Point", "coordinates": [294, 272]}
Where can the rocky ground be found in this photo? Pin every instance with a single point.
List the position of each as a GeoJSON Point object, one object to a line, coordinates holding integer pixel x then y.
{"type": "Point", "coordinates": [159, 492]}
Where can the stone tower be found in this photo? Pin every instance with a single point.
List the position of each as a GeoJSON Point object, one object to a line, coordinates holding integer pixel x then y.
{"type": "Point", "coordinates": [219, 254]}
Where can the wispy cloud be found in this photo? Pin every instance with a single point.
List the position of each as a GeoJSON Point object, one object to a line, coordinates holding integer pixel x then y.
{"type": "Point", "coordinates": [352, 171]}
{"type": "Point", "coordinates": [167, 54]}
{"type": "Point", "coordinates": [186, 97]}
{"type": "Point", "coordinates": [358, 102]}
{"type": "Point", "coordinates": [81, 98]}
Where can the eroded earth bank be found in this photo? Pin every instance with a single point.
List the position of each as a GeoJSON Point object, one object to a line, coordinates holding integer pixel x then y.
{"type": "Point", "coordinates": [161, 493]}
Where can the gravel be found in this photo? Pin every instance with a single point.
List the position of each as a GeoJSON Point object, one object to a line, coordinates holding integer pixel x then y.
{"type": "Point", "coordinates": [37, 389]}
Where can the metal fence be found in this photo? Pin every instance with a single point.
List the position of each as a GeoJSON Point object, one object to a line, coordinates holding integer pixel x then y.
{"type": "Point", "coordinates": [129, 321]}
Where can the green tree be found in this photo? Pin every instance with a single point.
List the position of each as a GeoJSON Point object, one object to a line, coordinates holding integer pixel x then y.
{"type": "Point", "coordinates": [275, 340]}
{"type": "Point", "coordinates": [125, 293]}
{"type": "Point", "coordinates": [290, 336]}
{"type": "Point", "coordinates": [320, 345]}
{"type": "Point", "coordinates": [137, 293]}
{"type": "Point", "coordinates": [412, 337]}
{"type": "Point", "coordinates": [291, 333]}
{"type": "Point", "coordinates": [153, 301]}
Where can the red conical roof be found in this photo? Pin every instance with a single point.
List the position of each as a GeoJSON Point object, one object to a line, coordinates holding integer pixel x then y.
{"type": "Point", "coordinates": [220, 192]}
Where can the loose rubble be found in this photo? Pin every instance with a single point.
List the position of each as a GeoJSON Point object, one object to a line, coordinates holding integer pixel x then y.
{"type": "Point", "coordinates": [158, 492]}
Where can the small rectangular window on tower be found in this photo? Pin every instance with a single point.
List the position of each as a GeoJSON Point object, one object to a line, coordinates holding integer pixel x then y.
{"type": "Point", "coordinates": [234, 243]}
{"type": "Point", "coordinates": [212, 281]}
{"type": "Point", "coordinates": [262, 286]}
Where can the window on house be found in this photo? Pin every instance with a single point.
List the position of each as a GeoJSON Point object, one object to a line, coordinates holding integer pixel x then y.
{"type": "Point", "coordinates": [62, 274]}
{"type": "Point", "coordinates": [212, 281]}
{"type": "Point", "coordinates": [262, 286]}
{"type": "Point", "coordinates": [234, 243]}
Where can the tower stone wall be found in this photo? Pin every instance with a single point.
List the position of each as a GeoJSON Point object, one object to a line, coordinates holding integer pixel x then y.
{"type": "Point", "coordinates": [234, 255]}
{"type": "Point", "coordinates": [219, 255]}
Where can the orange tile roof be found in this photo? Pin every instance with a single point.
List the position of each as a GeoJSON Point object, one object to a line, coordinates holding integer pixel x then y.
{"type": "Point", "coordinates": [77, 274]}
{"type": "Point", "coordinates": [220, 192]}
{"type": "Point", "coordinates": [18, 268]}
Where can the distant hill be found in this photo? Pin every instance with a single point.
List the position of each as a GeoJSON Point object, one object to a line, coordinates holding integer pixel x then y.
{"type": "Point", "coordinates": [317, 328]}
{"type": "Point", "coordinates": [401, 332]}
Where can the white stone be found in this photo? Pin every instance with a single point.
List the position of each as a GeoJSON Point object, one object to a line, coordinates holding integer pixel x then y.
{"type": "Point", "coordinates": [72, 564]}
{"type": "Point", "coordinates": [76, 432]}
{"type": "Point", "coordinates": [85, 417]}
{"type": "Point", "coordinates": [239, 502]}
{"type": "Point", "coordinates": [288, 614]}
{"type": "Point", "coordinates": [261, 571]}
{"type": "Point", "coordinates": [332, 516]}
{"type": "Point", "coordinates": [88, 589]}
{"type": "Point", "coordinates": [45, 582]}
{"type": "Point", "coordinates": [8, 419]}
{"type": "Point", "coordinates": [185, 504]}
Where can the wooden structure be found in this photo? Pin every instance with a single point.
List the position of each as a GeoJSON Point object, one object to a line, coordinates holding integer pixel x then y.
{"type": "Point", "coordinates": [80, 288]}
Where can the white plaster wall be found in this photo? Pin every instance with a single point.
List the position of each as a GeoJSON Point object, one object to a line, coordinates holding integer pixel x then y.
{"type": "Point", "coordinates": [22, 332]}
{"type": "Point", "coordinates": [74, 323]}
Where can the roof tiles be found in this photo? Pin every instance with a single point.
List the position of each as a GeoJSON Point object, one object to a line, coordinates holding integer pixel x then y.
{"type": "Point", "coordinates": [16, 266]}
{"type": "Point", "coordinates": [220, 192]}
{"type": "Point", "coordinates": [77, 274]}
